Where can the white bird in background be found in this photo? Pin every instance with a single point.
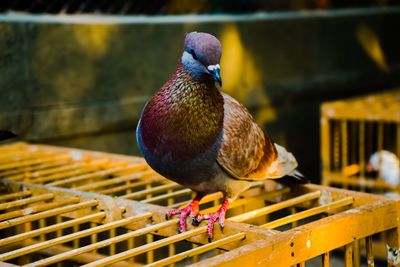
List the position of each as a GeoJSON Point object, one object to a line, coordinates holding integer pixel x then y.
{"type": "Point", "coordinates": [387, 164]}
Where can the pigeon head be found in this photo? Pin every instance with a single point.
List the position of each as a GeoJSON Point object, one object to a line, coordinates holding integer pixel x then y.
{"type": "Point", "coordinates": [201, 56]}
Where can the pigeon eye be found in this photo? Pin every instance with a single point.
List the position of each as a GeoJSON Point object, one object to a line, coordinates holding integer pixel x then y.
{"type": "Point", "coordinates": [193, 54]}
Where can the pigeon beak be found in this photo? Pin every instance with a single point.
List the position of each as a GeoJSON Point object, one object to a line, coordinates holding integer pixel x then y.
{"type": "Point", "coordinates": [215, 72]}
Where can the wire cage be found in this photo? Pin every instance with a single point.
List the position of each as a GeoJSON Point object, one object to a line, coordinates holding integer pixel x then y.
{"type": "Point", "coordinates": [69, 207]}
{"type": "Point", "coordinates": [354, 129]}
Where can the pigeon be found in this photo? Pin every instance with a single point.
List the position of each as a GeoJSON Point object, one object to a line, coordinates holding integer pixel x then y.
{"type": "Point", "coordinates": [192, 133]}
{"type": "Point", "coordinates": [387, 164]}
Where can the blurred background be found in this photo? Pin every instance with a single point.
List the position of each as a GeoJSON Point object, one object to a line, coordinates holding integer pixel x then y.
{"type": "Point", "coordinates": [77, 73]}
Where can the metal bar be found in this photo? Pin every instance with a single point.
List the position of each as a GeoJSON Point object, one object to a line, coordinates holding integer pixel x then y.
{"type": "Point", "coordinates": [206, 199]}
{"type": "Point", "coordinates": [244, 201]}
{"type": "Point", "coordinates": [310, 212]}
{"type": "Point", "coordinates": [361, 152]}
{"type": "Point", "coordinates": [28, 170]}
{"type": "Point", "coordinates": [218, 195]}
{"type": "Point", "coordinates": [274, 207]}
{"type": "Point", "coordinates": [336, 145]}
{"type": "Point", "coordinates": [325, 148]}
{"type": "Point", "coordinates": [35, 209]}
{"type": "Point", "coordinates": [70, 237]}
{"type": "Point", "coordinates": [326, 259]}
{"type": "Point", "coordinates": [369, 253]}
{"type": "Point", "coordinates": [178, 193]}
{"type": "Point", "coordinates": [344, 145]}
{"type": "Point", "coordinates": [80, 178]}
{"type": "Point", "coordinates": [198, 250]}
{"type": "Point", "coordinates": [356, 253]}
{"type": "Point", "coordinates": [49, 213]}
{"type": "Point", "coordinates": [25, 201]}
{"type": "Point", "coordinates": [361, 145]}
{"type": "Point", "coordinates": [113, 181]}
{"type": "Point", "coordinates": [153, 190]}
{"type": "Point", "coordinates": [48, 171]}
{"type": "Point", "coordinates": [148, 247]}
{"type": "Point", "coordinates": [348, 255]}
{"type": "Point", "coordinates": [80, 259]}
{"type": "Point", "coordinates": [141, 182]}
{"type": "Point", "coordinates": [380, 135]}
{"type": "Point", "coordinates": [62, 175]}
{"type": "Point", "coordinates": [33, 162]}
{"type": "Point", "coordinates": [22, 155]}
{"type": "Point", "coordinates": [104, 243]}
{"type": "Point", "coordinates": [15, 195]}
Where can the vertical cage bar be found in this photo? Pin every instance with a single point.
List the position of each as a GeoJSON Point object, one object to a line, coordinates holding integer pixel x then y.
{"type": "Point", "coordinates": [361, 151]}
{"type": "Point", "coordinates": [149, 237]}
{"type": "Point", "coordinates": [58, 234]}
{"type": "Point", "coordinates": [42, 224]}
{"type": "Point", "coordinates": [195, 258]}
{"type": "Point", "coordinates": [293, 211]}
{"type": "Point", "coordinates": [326, 259]}
{"type": "Point", "coordinates": [150, 253]}
{"type": "Point", "coordinates": [336, 145]}
{"type": "Point", "coordinates": [325, 149]}
{"type": "Point", "coordinates": [356, 253]}
{"type": "Point", "coordinates": [112, 246]}
{"type": "Point", "coordinates": [348, 255]}
{"type": "Point", "coordinates": [171, 252]}
{"type": "Point", "coordinates": [369, 252]}
{"type": "Point", "coordinates": [93, 238]}
{"type": "Point", "coordinates": [344, 147]}
{"type": "Point", "coordinates": [76, 241]}
{"type": "Point", "coordinates": [393, 240]}
{"type": "Point", "coordinates": [380, 136]}
{"type": "Point", "coordinates": [131, 244]}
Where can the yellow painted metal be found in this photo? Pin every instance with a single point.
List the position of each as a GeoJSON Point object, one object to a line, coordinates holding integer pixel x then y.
{"type": "Point", "coordinates": [326, 259]}
{"type": "Point", "coordinates": [22, 202]}
{"type": "Point", "coordinates": [14, 195]}
{"type": "Point", "coordinates": [310, 212]}
{"type": "Point", "coordinates": [73, 236]}
{"type": "Point", "coordinates": [198, 250]}
{"type": "Point", "coordinates": [27, 217]}
{"type": "Point", "coordinates": [100, 238]}
{"type": "Point", "coordinates": [56, 227]}
{"type": "Point", "coordinates": [275, 207]}
{"type": "Point", "coordinates": [369, 252]}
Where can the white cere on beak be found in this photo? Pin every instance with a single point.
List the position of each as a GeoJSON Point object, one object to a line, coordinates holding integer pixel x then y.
{"type": "Point", "coordinates": [213, 67]}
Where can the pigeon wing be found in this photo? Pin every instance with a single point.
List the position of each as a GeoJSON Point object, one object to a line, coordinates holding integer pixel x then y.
{"type": "Point", "coordinates": [246, 152]}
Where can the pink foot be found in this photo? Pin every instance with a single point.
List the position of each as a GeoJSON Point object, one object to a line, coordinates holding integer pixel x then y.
{"type": "Point", "coordinates": [213, 217]}
{"type": "Point", "coordinates": [190, 210]}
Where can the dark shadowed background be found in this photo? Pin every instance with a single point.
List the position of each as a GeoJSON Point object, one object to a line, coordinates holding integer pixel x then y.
{"type": "Point", "coordinates": [80, 80]}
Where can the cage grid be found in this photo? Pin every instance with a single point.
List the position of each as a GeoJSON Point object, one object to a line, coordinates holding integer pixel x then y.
{"type": "Point", "coordinates": [351, 131]}
{"type": "Point", "coordinates": [55, 210]}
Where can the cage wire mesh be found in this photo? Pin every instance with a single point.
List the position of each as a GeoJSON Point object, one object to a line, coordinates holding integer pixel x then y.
{"type": "Point", "coordinates": [64, 207]}
{"type": "Point", "coordinates": [351, 132]}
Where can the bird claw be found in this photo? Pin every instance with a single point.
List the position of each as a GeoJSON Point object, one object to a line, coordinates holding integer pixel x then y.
{"type": "Point", "coordinates": [190, 210]}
